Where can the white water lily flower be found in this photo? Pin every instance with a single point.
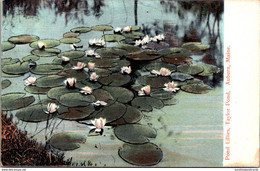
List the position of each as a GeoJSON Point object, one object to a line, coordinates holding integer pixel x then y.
{"type": "Point", "coordinates": [144, 91]}
{"type": "Point", "coordinates": [127, 29]}
{"type": "Point", "coordinates": [155, 72]}
{"type": "Point", "coordinates": [160, 37]}
{"type": "Point", "coordinates": [64, 58]}
{"type": "Point", "coordinates": [90, 53]}
{"type": "Point", "coordinates": [51, 108]}
{"type": "Point", "coordinates": [146, 40]}
{"type": "Point", "coordinates": [97, 55]}
{"type": "Point", "coordinates": [99, 103]}
{"type": "Point", "coordinates": [30, 81]}
{"type": "Point", "coordinates": [126, 69]}
{"type": "Point", "coordinates": [99, 124]}
{"type": "Point", "coordinates": [73, 47]}
{"type": "Point", "coordinates": [70, 82]}
{"type": "Point", "coordinates": [86, 90]}
{"type": "Point", "coordinates": [79, 66]}
{"type": "Point", "coordinates": [153, 39]}
{"type": "Point", "coordinates": [171, 86]}
{"type": "Point", "coordinates": [93, 77]}
{"type": "Point", "coordinates": [138, 42]}
{"type": "Point", "coordinates": [165, 72]}
{"type": "Point", "coordinates": [91, 66]}
{"type": "Point", "coordinates": [41, 45]}
{"type": "Point", "coordinates": [118, 30]}
{"type": "Point", "coordinates": [97, 42]}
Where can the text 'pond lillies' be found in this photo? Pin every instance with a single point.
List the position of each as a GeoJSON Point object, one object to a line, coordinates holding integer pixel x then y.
{"type": "Point", "coordinates": [51, 108]}
{"type": "Point", "coordinates": [144, 91]}
{"type": "Point", "coordinates": [126, 69]}
{"type": "Point", "coordinates": [86, 90]}
{"type": "Point", "coordinates": [99, 124]}
{"type": "Point", "coordinates": [80, 65]}
{"type": "Point", "coordinates": [171, 86]}
{"type": "Point", "coordinates": [30, 81]}
{"type": "Point", "coordinates": [93, 76]}
{"type": "Point", "coordinates": [162, 72]}
{"type": "Point", "coordinates": [70, 82]}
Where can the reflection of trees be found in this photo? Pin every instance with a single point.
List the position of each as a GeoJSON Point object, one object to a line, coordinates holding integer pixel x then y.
{"type": "Point", "coordinates": [72, 9]}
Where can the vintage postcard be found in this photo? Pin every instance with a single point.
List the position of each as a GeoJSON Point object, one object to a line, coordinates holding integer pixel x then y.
{"type": "Point", "coordinates": [129, 83]}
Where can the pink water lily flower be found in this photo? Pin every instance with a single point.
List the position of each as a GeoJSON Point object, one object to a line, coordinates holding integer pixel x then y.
{"type": "Point", "coordinates": [80, 65]}
{"type": "Point", "coordinates": [165, 72]}
{"type": "Point", "coordinates": [30, 81]}
{"type": "Point", "coordinates": [70, 82]}
{"type": "Point", "coordinates": [93, 77]}
{"type": "Point", "coordinates": [51, 108]}
{"type": "Point", "coordinates": [127, 29]}
{"type": "Point", "coordinates": [86, 90]}
{"type": "Point", "coordinates": [99, 103]}
{"type": "Point", "coordinates": [91, 65]}
{"type": "Point", "coordinates": [144, 91]}
{"type": "Point", "coordinates": [126, 69]}
{"type": "Point", "coordinates": [171, 86]}
{"type": "Point", "coordinates": [99, 124]}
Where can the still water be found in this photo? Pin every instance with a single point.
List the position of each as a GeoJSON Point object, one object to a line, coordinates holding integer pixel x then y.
{"type": "Point", "coordinates": [190, 132]}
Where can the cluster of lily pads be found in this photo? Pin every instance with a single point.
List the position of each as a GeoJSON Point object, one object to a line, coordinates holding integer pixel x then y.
{"type": "Point", "coordinates": [106, 86]}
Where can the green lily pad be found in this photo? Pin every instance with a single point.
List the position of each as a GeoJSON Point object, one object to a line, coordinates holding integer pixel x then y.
{"type": "Point", "coordinates": [46, 69]}
{"type": "Point", "coordinates": [135, 28]}
{"type": "Point", "coordinates": [17, 68]}
{"type": "Point", "coordinates": [70, 40]}
{"type": "Point", "coordinates": [102, 95]}
{"type": "Point", "coordinates": [103, 72]}
{"type": "Point", "coordinates": [158, 65]}
{"type": "Point", "coordinates": [120, 63]}
{"type": "Point", "coordinates": [36, 90]}
{"type": "Point", "coordinates": [120, 94]}
{"type": "Point", "coordinates": [76, 100]}
{"type": "Point", "coordinates": [111, 112]}
{"type": "Point", "coordinates": [147, 103]}
{"type": "Point", "coordinates": [176, 60]}
{"type": "Point", "coordinates": [147, 55]}
{"type": "Point", "coordinates": [141, 155]}
{"type": "Point", "coordinates": [56, 92]}
{"type": "Point", "coordinates": [209, 70]}
{"type": "Point", "coordinates": [5, 83]}
{"type": "Point", "coordinates": [70, 35]}
{"type": "Point", "coordinates": [79, 75]}
{"type": "Point", "coordinates": [49, 43]}
{"type": "Point", "coordinates": [196, 88]}
{"type": "Point", "coordinates": [50, 81]}
{"type": "Point", "coordinates": [181, 76]}
{"type": "Point", "coordinates": [7, 46]}
{"type": "Point", "coordinates": [9, 61]}
{"type": "Point", "coordinates": [84, 83]}
{"type": "Point", "coordinates": [132, 115]}
{"type": "Point", "coordinates": [14, 101]}
{"type": "Point", "coordinates": [153, 81]}
{"type": "Point", "coordinates": [46, 52]}
{"type": "Point", "coordinates": [9, 75]}
{"type": "Point", "coordinates": [133, 35]}
{"type": "Point", "coordinates": [80, 30]}
{"type": "Point", "coordinates": [113, 37]}
{"type": "Point", "coordinates": [104, 63]}
{"type": "Point", "coordinates": [129, 48]}
{"type": "Point", "coordinates": [67, 141]}
{"type": "Point", "coordinates": [102, 28]}
{"type": "Point", "coordinates": [170, 102]}
{"type": "Point", "coordinates": [115, 80]}
{"type": "Point", "coordinates": [77, 113]}
{"type": "Point", "coordinates": [161, 94]}
{"type": "Point", "coordinates": [195, 46]}
{"type": "Point", "coordinates": [134, 133]}
{"type": "Point", "coordinates": [74, 54]}
{"type": "Point", "coordinates": [111, 52]}
{"type": "Point", "coordinates": [192, 69]}
{"type": "Point", "coordinates": [30, 57]}
{"type": "Point", "coordinates": [23, 39]}
{"type": "Point", "coordinates": [175, 52]}
{"type": "Point", "coordinates": [157, 46]}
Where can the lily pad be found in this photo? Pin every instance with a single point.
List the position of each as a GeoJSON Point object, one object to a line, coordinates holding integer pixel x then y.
{"type": "Point", "coordinates": [102, 28]}
{"type": "Point", "coordinates": [84, 83]}
{"type": "Point", "coordinates": [175, 52]}
{"type": "Point", "coordinates": [111, 52]}
{"type": "Point", "coordinates": [153, 81]}
{"type": "Point", "coordinates": [49, 43]}
{"type": "Point", "coordinates": [70, 40]}
{"type": "Point", "coordinates": [79, 75]}
{"type": "Point", "coordinates": [46, 69]}
{"type": "Point", "coordinates": [5, 83]}
{"type": "Point", "coordinates": [128, 48]}
{"type": "Point", "coordinates": [141, 155]}
{"type": "Point", "coordinates": [177, 60]}
{"type": "Point", "coordinates": [14, 101]}
{"type": "Point", "coordinates": [104, 63]}
{"type": "Point", "coordinates": [196, 88]}
{"type": "Point", "coordinates": [36, 90]}
{"type": "Point", "coordinates": [77, 113]}
{"type": "Point", "coordinates": [113, 37]}
{"type": "Point", "coordinates": [67, 141]}
{"type": "Point", "coordinates": [147, 103]}
{"type": "Point", "coordinates": [134, 133]}
{"type": "Point", "coordinates": [120, 63]}
{"type": "Point", "coordinates": [115, 80]}
{"type": "Point", "coordinates": [7, 46]}
{"type": "Point", "coordinates": [46, 52]}
{"type": "Point", "coordinates": [30, 57]}
{"type": "Point", "coordinates": [9, 61]}
{"type": "Point", "coordinates": [181, 76]}
{"type": "Point", "coordinates": [50, 81]}
{"type": "Point", "coordinates": [9, 75]}
{"type": "Point", "coordinates": [158, 65]}
{"type": "Point", "coordinates": [70, 35]}
{"type": "Point", "coordinates": [133, 35]}
{"type": "Point", "coordinates": [102, 95]}
{"type": "Point", "coordinates": [103, 72]}
{"type": "Point", "coordinates": [17, 68]}
{"type": "Point", "coordinates": [80, 30]}
{"type": "Point", "coordinates": [76, 100]}
{"type": "Point", "coordinates": [73, 54]}
{"type": "Point", "coordinates": [56, 92]}
{"type": "Point", "coordinates": [135, 28]}
{"type": "Point", "coordinates": [209, 70]}
{"type": "Point", "coordinates": [170, 102]}
{"type": "Point", "coordinates": [157, 46]}
{"type": "Point", "coordinates": [195, 46]}
{"type": "Point", "coordinates": [120, 94]}
{"type": "Point", "coordinates": [144, 55]}
{"type": "Point", "coordinates": [192, 69]}
{"type": "Point", "coordinates": [161, 94]}
{"type": "Point", "coordinates": [23, 39]}
{"type": "Point", "coordinates": [132, 115]}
